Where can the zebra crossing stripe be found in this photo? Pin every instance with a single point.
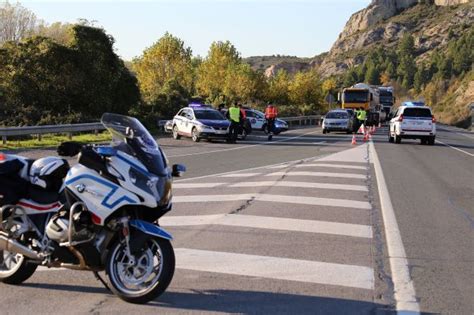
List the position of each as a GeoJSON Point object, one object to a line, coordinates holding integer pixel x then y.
{"type": "Point", "coordinates": [319, 174]}
{"type": "Point", "coordinates": [271, 223]}
{"type": "Point", "coordinates": [240, 175]}
{"type": "Point", "coordinates": [275, 268]}
{"type": "Point", "coordinates": [301, 185]}
{"type": "Point", "coordinates": [353, 167]}
{"type": "Point", "coordinates": [273, 184]}
{"type": "Point", "coordinates": [197, 185]}
{"type": "Point", "coordinates": [345, 203]}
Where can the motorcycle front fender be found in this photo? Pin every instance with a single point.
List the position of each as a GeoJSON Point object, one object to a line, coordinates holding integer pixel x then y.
{"type": "Point", "coordinates": [150, 229]}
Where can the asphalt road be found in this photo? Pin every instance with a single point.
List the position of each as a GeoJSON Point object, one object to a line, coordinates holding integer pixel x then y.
{"type": "Point", "coordinates": [295, 227]}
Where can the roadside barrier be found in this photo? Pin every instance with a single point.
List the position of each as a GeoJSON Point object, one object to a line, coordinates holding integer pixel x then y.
{"type": "Point", "coordinates": [68, 129]}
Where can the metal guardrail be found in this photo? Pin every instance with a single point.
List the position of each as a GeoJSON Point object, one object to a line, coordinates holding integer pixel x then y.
{"type": "Point", "coordinates": [303, 120]}
{"type": "Point", "coordinates": [69, 129]}
{"type": "Point", "coordinates": [40, 130]}
{"type": "Point", "coordinates": [292, 121]}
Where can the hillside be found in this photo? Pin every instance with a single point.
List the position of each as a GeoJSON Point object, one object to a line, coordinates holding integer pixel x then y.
{"type": "Point", "coordinates": [384, 22]}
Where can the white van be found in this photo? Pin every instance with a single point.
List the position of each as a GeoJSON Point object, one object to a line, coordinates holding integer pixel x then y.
{"type": "Point", "coordinates": [413, 121]}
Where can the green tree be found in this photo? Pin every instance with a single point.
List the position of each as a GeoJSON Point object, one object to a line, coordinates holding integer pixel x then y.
{"type": "Point", "coordinates": [406, 57]}
{"type": "Point", "coordinates": [372, 76]}
{"type": "Point", "coordinates": [167, 60]}
{"type": "Point", "coordinates": [240, 83]}
{"type": "Point", "coordinates": [214, 69]}
{"type": "Point", "coordinates": [306, 89]}
{"type": "Point", "coordinates": [278, 88]}
{"type": "Point", "coordinates": [44, 82]}
{"type": "Point", "coordinates": [351, 77]}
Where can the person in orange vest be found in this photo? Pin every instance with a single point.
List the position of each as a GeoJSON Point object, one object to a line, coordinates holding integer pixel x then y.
{"type": "Point", "coordinates": [271, 114]}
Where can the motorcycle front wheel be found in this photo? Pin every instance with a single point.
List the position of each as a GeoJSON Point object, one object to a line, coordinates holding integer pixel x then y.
{"type": "Point", "coordinates": [145, 278]}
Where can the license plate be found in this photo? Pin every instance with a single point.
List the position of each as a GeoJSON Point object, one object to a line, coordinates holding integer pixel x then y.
{"type": "Point", "coordinates": [221, 132]}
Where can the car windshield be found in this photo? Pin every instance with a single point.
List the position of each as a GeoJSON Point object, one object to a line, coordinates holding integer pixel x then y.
{"type": "Point", "coordinates": [129, 131]}
{"type": "Point", "coordinates": [208, 115]}
{"type": "Point", "coordinates": [356, 96]}
{"type": "Point", "coordinates": [337, 115]}
{"type": "Point", "coordinates": [417, 112]}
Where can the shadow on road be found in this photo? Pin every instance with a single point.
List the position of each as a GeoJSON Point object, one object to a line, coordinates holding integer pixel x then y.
{"type": "Point", "coordinates": [254, 302]}
{"type": "Point", "coordinates": [66, 287]}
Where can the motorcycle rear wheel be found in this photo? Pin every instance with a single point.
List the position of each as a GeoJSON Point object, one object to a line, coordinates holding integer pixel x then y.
{"type": "Point", "coordinates": [148, 278]}
{"type": "Point", "coordinates": [14, 268]}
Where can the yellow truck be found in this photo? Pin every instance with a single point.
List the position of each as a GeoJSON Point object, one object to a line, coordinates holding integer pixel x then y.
{"type": "Point", "coordinates": [362, 96]}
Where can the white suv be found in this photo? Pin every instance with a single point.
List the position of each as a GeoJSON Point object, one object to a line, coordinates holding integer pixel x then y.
{"type": "Point", "coordinates": [413, 122]}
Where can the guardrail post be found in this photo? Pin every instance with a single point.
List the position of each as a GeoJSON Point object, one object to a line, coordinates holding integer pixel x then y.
{"type": "Point", "coordinates": [69, 135]}
{"type": "Point", "coordinates": [96, 132]}
{"type": "Point", "coordinates": [39, 137]}
{"type": "Point", "coordinates": [4, 139]}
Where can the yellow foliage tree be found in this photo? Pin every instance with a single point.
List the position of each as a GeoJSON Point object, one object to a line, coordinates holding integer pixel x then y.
{"type": "Point", "coordinates": [167, 60]}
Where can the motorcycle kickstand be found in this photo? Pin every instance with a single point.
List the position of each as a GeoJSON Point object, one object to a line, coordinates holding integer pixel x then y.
{"type": "Point", "coordinates": [98, 277]}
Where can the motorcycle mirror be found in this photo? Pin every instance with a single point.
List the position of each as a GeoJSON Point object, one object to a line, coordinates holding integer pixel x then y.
{"type": "Point", "coordinates": [178, 170]}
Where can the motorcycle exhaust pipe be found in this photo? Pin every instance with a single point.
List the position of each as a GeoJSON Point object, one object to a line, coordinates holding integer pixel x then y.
{"type": "Point", "coordinates": [13, 246]}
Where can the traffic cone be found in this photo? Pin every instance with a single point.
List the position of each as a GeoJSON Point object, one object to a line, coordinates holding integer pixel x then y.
{"type": "Point", "coordinates": [354, 142]}
{"type": "Point", "coordinates": [366, 137]}
{"type": "Point", "coordinates": [361, 129]}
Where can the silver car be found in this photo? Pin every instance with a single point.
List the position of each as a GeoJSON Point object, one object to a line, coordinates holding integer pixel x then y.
{"type": "Point", "coordinates": [337, 120]}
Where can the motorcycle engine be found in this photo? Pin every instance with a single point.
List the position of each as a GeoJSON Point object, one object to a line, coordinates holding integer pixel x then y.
{"type": "Point", "coordinates": [58, 227]}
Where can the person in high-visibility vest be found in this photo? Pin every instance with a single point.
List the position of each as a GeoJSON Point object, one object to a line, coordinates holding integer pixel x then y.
{"type": "Point", "coordinates": [361, 116]}
{"type": "Point", "coordinates": [271, 114]}
{"type": "Point", "coordinates": [235, 116]}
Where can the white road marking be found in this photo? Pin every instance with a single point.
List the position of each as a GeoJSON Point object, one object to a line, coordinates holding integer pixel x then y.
{"type": "Point", "coordinates": [301, 185]}
{"type": "Point", "coordinates": [345, 203]}
{"type": "Point", "coordinates": [457, 149]}
{"type": "Point", "coordinates": [310, 159]}
{"type": "Point", "coordinates": [404, 288]}
{"type": "Point", "coordinates": [354, 167]}
{"type": "Point", "coordinates": [319, 174]}
{"type": "Point", "coordinates": [271, 223]}
{"type": "Point", "coordinates": [279, 166]}
{"type": "Point", "coordinates": [244, 146]}
{"type": "Point", "coordinates": [196, 185]}
{"type": "Point", "coordinates": [241, 175]}
{"type": "Point", "coordinates": [275, 268]}
{"type": "Point", "coordinates": [273, 184]}
{"type": "Point", "coordinates": [355, 155]}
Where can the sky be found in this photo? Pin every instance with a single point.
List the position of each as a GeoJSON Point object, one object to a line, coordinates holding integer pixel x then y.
{"type": "Point", "coordinates": [302, 28]}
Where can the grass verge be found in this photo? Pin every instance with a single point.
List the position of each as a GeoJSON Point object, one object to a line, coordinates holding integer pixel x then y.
{"type": "Point", "coordinates": [50, 140]}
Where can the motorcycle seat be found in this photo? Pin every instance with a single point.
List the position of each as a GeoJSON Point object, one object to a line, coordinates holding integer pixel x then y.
{"type": "Point", "coordinates": [40, 195]}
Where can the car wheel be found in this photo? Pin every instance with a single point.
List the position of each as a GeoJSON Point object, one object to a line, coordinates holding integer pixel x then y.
{"type": "Point", "coordinates": [195, 135]}
{"type": "Point", "coordinates": [324, 131]}
{"type": "Point", "coordinates": [398, 139]}
{"type": "Point", "coordinates": [431, 140]}
{"type": "Point", "coordinates": [176, 135]}
{"type": "Point", "coordinates": [423, 141]}
{"type": "Point", "coordinates": [243, 136]}
{"type": "Point", "coordinates": [264, 128]}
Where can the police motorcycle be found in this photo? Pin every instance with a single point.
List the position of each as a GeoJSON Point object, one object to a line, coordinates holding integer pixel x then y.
{"type": "Point", "coordinates": [98, 215]}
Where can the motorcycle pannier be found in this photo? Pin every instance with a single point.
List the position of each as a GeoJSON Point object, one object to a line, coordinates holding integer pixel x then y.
{"type": "Point", "coordinates": [12, 186]}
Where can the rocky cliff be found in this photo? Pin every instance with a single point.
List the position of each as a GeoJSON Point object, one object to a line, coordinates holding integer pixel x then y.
{"type": "Point", "coordinates": [384, 22]}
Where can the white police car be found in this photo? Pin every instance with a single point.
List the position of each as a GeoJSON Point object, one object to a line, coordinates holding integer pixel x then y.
{"type": "Point", "coordinates": [200, 122]}
{"type": "Point", "coordinates": [413, 120]}
{"type": "Point", "coordinates": [258, 121]}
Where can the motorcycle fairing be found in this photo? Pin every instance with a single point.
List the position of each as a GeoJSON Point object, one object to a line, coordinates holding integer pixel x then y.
{"type": "Point", "coordinates": [150, 228]}
{"type": "Point", "coordinates": [101, 196]}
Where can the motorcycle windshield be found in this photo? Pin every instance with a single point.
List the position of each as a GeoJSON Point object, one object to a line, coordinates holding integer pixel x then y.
{"type": "Point", "coordinates": [132, 132]}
